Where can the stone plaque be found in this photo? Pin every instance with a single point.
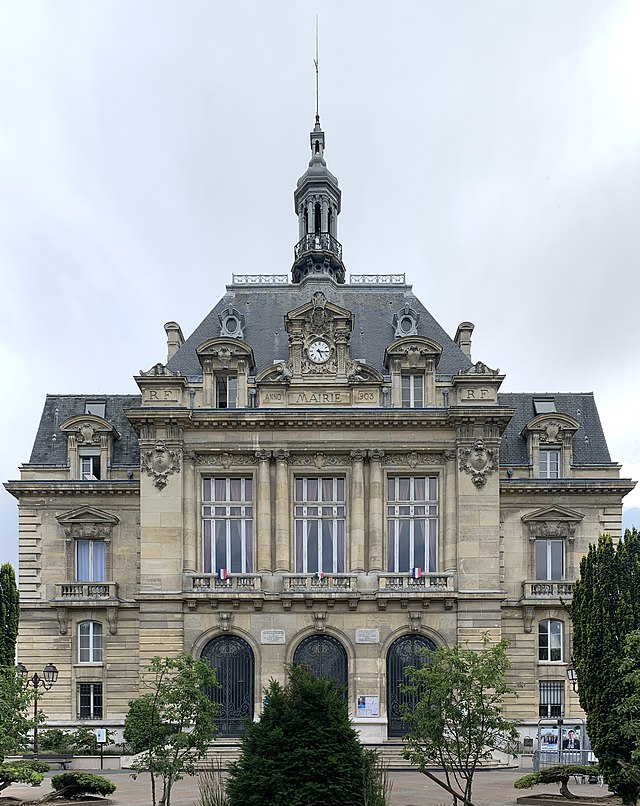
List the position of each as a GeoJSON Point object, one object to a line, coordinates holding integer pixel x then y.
{"type": "Point", "coordinates": [367, 636]}
{"type": "Point", "coordinates": [272, 637]}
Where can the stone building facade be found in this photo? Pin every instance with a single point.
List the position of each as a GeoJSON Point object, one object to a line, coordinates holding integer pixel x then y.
{"type": "Point", "coordinates": [319, 473]}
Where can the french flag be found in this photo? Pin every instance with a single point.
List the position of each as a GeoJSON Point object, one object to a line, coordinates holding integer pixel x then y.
{"type": "Point", "coordinates": [319, 575]}
{"type": "Point", "coordinates": [416, 573]}
{"type": "Point", "coordinates": [222, 573]}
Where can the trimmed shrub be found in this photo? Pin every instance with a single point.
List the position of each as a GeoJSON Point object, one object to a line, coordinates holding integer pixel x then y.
{"type": "Point", "coordinates": [74, 784]}
{"type": "Point", "coordinates": [22, 772]}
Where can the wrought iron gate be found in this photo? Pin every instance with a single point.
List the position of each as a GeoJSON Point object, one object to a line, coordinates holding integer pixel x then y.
{"type": "Point", "coordinates": [402, 653]}
{"type": "Point", "coordinates": [232, 659]}
{"type": "Point", "coordinates": [326, 656]}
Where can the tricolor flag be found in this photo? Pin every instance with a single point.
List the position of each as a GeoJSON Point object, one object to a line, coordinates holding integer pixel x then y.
{"type": "Point", "coordinates": [416, 573]}
{"type": "Point", "coordinates": [319, 575]}
{"type": "Point", "coordinates": [222, 573]}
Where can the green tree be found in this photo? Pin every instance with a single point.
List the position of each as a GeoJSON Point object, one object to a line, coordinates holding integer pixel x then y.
{"type": "Point", "coordinates": [457, 719]}
{"type": "Point", "coordinates": [15, 725]}
{"type": "Point", "coordinates": [178, 718]}
{"type": "Point", "coordinates": [605, 609]}
{"type": "Point", "coordinates": [9, 614]}
{"type": "Point", "coordinates": [303, 751]}
{"type": "Point", "coordinates": [558, 774]}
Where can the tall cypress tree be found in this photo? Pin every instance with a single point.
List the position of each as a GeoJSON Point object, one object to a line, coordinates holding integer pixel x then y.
{"type": "Point", "coordinates": [604, 610]}
{"type": "Point", "coordinates": [9, 614]}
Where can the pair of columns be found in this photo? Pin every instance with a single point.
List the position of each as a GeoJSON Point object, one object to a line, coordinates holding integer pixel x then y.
{"type": "Point", "coordinates": [283, 512]}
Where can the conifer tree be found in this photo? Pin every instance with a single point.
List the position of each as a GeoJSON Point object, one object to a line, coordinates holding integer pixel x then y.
{"type": "Point", "coordinates": [302, 752]}
{"type": "Point", "coordinates": [605, 610]}
{"type": "Point", "coordinates": [9, 615]}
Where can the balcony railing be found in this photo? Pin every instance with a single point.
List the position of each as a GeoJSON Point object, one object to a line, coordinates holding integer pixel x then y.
{"type": "Point", "coordinates": [318, 242]}
{"type": "Point", "coordinates": [239, 583]}
{"type": "Point", "coordinates": [546, 589]}
{"type": "Point", "coordinates": [318, 584]}
{"type": "Point", "coordinates": [88, 590]}
{"type": "Point", "coordinates": [406, 582]}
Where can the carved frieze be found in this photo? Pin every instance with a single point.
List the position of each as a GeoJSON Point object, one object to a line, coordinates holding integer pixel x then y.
{"type": "Point", "coordinates": [227, 460]}
{"type": "Point", "coordinates": [479, 462]}
{"type": "Point", "coordinates": [160, 462]}
{"type": "Point", "coordinates": [414, 459]}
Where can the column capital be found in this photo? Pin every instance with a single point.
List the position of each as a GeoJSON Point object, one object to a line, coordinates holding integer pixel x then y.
{"type": "Point", "coordinates": [376, 453]}
{"type": "Point", "coordinates": [358, 455]}
{"type": "Point", "coordinates": [281, 455]}
{"type": "Point", "coordinates": [263, 455]}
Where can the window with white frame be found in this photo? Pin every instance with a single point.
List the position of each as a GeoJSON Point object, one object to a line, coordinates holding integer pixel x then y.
{"type": "Point", "coordinates": [89, 465]}
{"type": "Point", "coordinates": [226, 391]}
{"type": "Point", "coordinates": [412, 391]}
{"type": "Point", "coordinates": [319, 525]}
{"type": "Point", "coordinates": [550, 640]}
{"type": "Point", "coordinates": [549, 463]}
{"type": "Point", "coordinates": [89, 700]}
{"type": "Point", "coordinates": [412, 523]}
{"type": "Point", "coordinates": [89, 642]}
{"type": "Point", "coordinates": [90, 560]}
{"type": "Point", "coordinates": [549, 558]}
{"type": "Point", "coordinates": [551, 699]}
{"type": "Point", "coordinates": [227, 525]}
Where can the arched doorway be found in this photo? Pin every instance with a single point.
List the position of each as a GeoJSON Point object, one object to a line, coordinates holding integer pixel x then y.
{"type": "Point", "coordinates": [326, 656]}
{"type": "Point", "coordinates": [232, 660]}
{"type": "Point", "coordinates": [403, 652]}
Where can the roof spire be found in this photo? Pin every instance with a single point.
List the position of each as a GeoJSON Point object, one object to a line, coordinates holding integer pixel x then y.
{"type": "Point", "coordinates": [316, 61]}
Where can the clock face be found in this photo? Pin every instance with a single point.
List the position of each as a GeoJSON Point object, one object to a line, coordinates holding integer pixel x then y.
{"type": "Point", "coordinates": [319, 351]}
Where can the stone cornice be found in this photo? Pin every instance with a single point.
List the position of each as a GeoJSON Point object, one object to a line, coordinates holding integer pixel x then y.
{"type": "Point", "coordinates": [559, 486]}
{"type": "Point", "coordinates": [37, 487]}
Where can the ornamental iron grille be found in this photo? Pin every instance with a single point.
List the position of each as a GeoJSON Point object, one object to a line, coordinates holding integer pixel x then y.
{"type": "Point", "coordinates": [319, 525]}
{"type": "Point", "coordinates": [227, 525]}
{"type": "Point", "coordinates": [232, 660]}
{"type": "Point", "coordinates": [406, 651]}
{"type": "Point", "coordinates": [326, 657]}
{"type": "Point", "coordinates": [412, 523]}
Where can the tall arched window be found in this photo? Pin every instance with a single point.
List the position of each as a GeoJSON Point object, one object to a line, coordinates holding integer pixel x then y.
{"type": "Point", "coordinates": [317, 218]}
{"type": "Point", "coordinates": [89, 642]}
{"type": "Point", "coordinates": [550, 640]}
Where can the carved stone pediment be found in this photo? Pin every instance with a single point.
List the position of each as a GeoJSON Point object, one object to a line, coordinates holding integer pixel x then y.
{"type": "Point", "coordinates": [160, 462]}
{"type": "Point", "coordinates": [88, 429]}
{"type": "Point", "coordinates": [413, 352]}
{"type": "Point", "coordinates": [224, 353]}
{"type": "Point", "coordinates": [552, 428]}
{"type": "Point", "coordinates": [553, 521]}
{"type": "Point", "coordinates": [87, 522]}
{"type": "Point", "coordinates": [158, 370]}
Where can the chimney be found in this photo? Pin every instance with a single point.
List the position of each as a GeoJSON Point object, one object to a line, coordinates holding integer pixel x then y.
{"type": "Point", "coordinates": [175, 339]}
{"type": "Point", "coordinates": [463, 337]}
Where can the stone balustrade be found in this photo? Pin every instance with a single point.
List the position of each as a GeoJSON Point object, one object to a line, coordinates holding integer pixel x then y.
{"type": "Point", "coordinates": [87, 590]}
{"type": "Point", "coordinates": [547, 589]}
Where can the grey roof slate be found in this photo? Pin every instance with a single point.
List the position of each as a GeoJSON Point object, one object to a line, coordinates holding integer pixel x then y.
{"type": "Point", "coordinates": [589, 444]}
{"type": "Point", "coordinates": [58, 408]}
{"type": "Point", "coordinates": [373, 307]}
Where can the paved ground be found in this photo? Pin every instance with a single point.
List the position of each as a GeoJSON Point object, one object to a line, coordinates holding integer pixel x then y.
{"type": "Point", "coordinates": [491, 788]}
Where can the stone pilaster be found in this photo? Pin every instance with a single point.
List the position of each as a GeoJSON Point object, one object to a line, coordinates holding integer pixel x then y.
{"type": "Point", "coordinates": [263, 520]}
{"type": "Point", "coordinates": [356, 532]}
{"type": "Point", "coordinates": [376, 499]}
{"type": "Point", "coordinates": [190, 547]}
{"type": "Point", "coordinates": [282, 512]}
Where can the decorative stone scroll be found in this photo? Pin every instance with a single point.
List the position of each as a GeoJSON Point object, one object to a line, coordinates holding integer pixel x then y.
{"type": "Point", "coordinates": [319, 620]}
{"type": "Point", "coordinates": [479, 462]}
{"type": "Point", "coordinates": [160, 462]}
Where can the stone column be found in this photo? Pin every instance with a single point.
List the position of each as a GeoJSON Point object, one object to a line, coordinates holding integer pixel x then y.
{"type": "Point", "coordinates": [356, 532]}
{"type": "Point", "coordinates": [376, 502]}
{"type": "Point", "coordinates": [325, 214]}
{"type": "Point", "coordinates": [190, 530]}
{"type": "Point", "coordinates": [263, 519]}
{"type": "Point", "coordinates": [283, 529]}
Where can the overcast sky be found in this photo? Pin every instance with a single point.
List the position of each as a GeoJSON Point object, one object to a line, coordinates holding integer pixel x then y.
{"type": "Point", "coordinates": [489, 149]}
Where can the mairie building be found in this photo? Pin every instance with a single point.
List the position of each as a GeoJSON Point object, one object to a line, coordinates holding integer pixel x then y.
{"type": "Point", "coordinates": [318, 474]}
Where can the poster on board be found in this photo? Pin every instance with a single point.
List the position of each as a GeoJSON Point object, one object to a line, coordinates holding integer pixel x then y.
{"type": "Point", "coordinates": [368, 705]}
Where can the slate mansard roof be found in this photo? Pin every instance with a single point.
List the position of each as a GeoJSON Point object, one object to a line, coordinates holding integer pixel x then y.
{"type": "Point", "coordinates": [373, 308]}
{"type": "Point", "coordinates": [50, 446]}
{"type": "Point", "coordinates": [589, 443]}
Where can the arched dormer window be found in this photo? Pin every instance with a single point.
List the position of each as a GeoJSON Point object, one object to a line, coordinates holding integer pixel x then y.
{"type": "Point", "coordinates": [412, 362]}
{"type": "Point", "coordinates": [89, 446]}
{"type": "Point", "coordinates": [549, 438]}
{"type": "Point", "coordinates": [226, 364]}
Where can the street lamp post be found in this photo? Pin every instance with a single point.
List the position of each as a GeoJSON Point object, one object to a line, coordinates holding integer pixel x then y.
{"type": "Point", "coordinates": [36, 682]}
{"type": "Point", "coordinates": [572, 675]}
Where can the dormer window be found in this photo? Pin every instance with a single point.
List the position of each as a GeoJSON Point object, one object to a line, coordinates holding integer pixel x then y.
{"type": "Point", "coordinates": [412, 391]}
{"type": "Point", "coordinates": [412, 362]}
{"type": "Point", "coordinates": [95, 407]}
{"type": "Point", "coordinates": [89, 465]}
{"type": "Point", "coordinates": [226, 391]}
{"type": "Point", "coordinates": [549, 438]}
